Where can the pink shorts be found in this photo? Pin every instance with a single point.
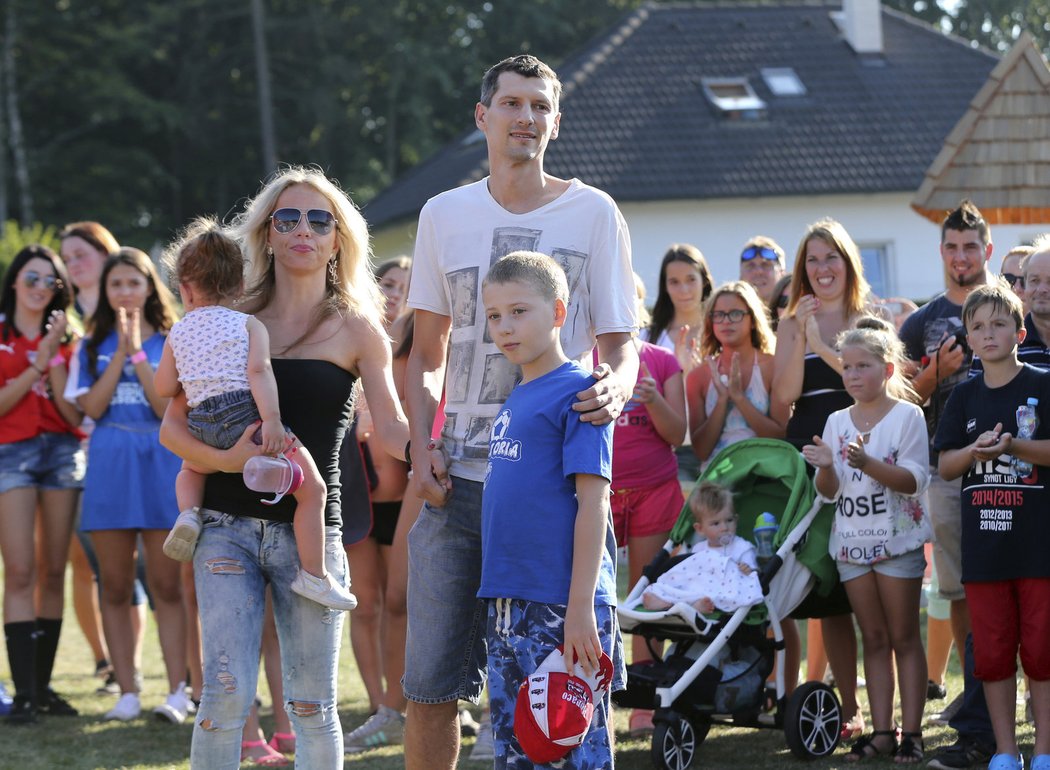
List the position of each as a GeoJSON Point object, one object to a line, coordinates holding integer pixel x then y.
{"type": "Point", "coordinates": [641, 511]}
{"type": "Point", "coordinates": [1007, 615]}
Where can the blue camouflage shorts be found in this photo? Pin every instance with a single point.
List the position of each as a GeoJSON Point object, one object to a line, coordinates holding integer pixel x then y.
{"type": "Point", "coordinates": [521, 634]}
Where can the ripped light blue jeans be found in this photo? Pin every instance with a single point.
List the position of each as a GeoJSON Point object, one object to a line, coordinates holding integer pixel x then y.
{"type": "Point", "coordinates": [236, 557]}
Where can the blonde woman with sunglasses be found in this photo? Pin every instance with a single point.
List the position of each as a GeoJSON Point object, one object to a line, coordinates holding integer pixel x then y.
{"type": "Point", "coordinates": [310, 285]}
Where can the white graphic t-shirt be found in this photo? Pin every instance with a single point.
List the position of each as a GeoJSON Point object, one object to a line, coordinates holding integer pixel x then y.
{"type": "Point", "coordinates": [462, 232]}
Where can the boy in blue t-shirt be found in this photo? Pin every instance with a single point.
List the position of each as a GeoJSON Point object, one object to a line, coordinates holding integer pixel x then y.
{"type": "Point", "coordinates": [547, 545]}
{"type": "Point", "coordinates": [1005, 526]}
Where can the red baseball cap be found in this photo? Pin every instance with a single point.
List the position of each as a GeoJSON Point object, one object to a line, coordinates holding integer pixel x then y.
{"type": "Point", "coordinates": [554, 709]}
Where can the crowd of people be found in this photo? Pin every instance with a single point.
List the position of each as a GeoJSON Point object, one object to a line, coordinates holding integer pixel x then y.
{"type": "Point", "coordinates": [518, 343]}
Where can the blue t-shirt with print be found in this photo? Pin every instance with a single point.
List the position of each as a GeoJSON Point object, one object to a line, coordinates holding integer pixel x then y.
{"type": "Point", "coordinates": [537, 446]}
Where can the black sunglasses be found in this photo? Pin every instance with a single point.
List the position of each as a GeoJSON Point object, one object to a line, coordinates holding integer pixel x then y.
{"type": "Point", "coordinates": [31, 278]}
{"type": "Point", "coordinates": [759, 251]}
{"type": "Point", "coordinates": [1012, 279]}
{"type": "Point", "coordinates": [286, 220]}
{"type": "Point", "coordinates": [783, 301]}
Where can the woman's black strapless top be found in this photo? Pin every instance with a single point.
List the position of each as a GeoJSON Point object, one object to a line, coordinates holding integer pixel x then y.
{"type": "Point", "coordinates": [822, 394]}
{"type": "Point", "coordinates": [315, 402]}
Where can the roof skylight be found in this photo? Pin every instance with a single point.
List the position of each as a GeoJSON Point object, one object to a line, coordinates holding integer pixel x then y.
{"type": "Point", "coordinates": [783, 81]}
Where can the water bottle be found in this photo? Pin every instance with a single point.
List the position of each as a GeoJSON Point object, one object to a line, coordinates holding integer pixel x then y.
{"type": "Point", "coordinates": [276, 476]}
{"type": "Point", "coordinates": [765, 531]}
{"type": "Point", "coordinates": [1027, 422]}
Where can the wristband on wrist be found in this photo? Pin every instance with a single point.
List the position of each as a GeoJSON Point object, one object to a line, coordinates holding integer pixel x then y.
{"type": "Point", "coordinates": [38, 370]}
{"type": "Point", "coordinates": [57, 360]}
{"type": "Point", "coordinates": [408, 452]}
{"type": "Point", "coordinates": [139, 357]}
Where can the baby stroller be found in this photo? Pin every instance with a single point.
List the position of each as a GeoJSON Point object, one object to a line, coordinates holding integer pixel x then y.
{"type": "Point", "coordinates": [716, 665]}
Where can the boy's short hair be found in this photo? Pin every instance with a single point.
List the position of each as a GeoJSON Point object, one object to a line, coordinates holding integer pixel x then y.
{"type": "Point", "coordinates": [1000, 296]}
{"type": "Point", "coordinates": [534, 269]}
{"type": "Point", "coordinates": [709, 497]}
{"type": "Point", "coordinates": [966, 217]}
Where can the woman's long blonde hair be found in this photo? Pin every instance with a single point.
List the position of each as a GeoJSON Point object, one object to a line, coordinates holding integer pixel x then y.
{"type": "Point", "coordinates": [879, 339]}
{"type": "Point", "coordinates": [354, 289]}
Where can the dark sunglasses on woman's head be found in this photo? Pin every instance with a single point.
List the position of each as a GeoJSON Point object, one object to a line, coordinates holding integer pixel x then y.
{"type": "Point", "coordinates": [720, 316]}
{"type": "Point", "coordinates": [758, 251]}
{"type": "Point", "coordinates": [1012, 279]}
{"type": "Point", "coordinates": [286, 220]}
{"type": "Point", "coordinates": [31, 278]}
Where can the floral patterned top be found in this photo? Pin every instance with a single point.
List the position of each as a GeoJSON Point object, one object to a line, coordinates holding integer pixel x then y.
{"type": "Point", "coordinates": [873, 523]}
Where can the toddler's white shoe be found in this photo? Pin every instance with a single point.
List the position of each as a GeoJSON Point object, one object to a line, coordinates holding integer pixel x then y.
{"type": "Point", "coordinates": [175, 707]}
{"type": "Point", "coordinates": [127, 708]}
{"type": "Point", "coordinates": [182, 539]}
{"type": "Point", "coordinates": [323, 591]}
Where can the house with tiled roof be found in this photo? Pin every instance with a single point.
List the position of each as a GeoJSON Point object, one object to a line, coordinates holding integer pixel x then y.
{"type": "Point", "coordinates": [711, 122]}
{"type": "Point", "coordinates": [999, 152]}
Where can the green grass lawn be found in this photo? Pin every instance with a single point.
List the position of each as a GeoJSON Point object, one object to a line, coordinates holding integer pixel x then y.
{"type": "Point", "coordinates": [88, 742]}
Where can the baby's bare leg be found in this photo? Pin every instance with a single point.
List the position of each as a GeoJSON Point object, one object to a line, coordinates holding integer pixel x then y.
{"type": "Point", "coordinates": [309, 514]}
{"type": "Point", "coordinates": [652, 602]}
{"type": "Point", "coordinates": [189, 486]}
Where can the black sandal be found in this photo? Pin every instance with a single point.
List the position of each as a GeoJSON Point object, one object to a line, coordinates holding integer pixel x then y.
{"type": "Point", "coordinates": [865, 748]}
{"type": "Point", "coordinates": [911, 750]}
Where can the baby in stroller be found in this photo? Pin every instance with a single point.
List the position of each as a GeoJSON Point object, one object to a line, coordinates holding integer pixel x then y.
{"type": "Point", "coordinates": [720, 573]}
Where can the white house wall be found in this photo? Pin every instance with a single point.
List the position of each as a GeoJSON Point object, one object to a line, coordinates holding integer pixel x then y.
{"type": "Point", "coordinates": [720, 228]}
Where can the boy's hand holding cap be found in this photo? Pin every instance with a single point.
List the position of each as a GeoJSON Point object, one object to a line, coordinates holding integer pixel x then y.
{"type": "Point", "coordinates": [554, 709]}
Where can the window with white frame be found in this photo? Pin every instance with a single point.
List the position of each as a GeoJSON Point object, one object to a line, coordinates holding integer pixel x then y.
{"type": "Point", "coordinates": [875, 258]}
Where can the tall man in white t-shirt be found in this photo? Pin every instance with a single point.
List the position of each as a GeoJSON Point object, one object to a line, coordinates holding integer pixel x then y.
{"type": "Point", "coordinates": [461, 233]}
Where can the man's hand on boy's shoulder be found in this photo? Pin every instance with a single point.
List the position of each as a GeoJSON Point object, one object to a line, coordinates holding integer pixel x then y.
{"type": "Point", "coordinates": [602, 402]}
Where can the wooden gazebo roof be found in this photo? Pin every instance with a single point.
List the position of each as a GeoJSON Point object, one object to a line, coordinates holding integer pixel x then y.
{"type": "Point", "coordinates": [998, 154]}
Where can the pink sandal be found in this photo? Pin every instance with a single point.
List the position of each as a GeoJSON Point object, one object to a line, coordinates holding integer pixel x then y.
{"type": "Point", "coordinates": [283, 742]}
{"type": "Point", "coordinates": [268, 758]}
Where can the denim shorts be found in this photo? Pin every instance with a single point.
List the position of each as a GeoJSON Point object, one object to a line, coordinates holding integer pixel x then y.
{"type": "Point", "coordinates": [445, 647]}
{"type": "Point", "coordinates": [221, 420]}
{"type": "Point", "coordinates": [908, 565]}
{"type": "Point", "coordinates": [47, 461]}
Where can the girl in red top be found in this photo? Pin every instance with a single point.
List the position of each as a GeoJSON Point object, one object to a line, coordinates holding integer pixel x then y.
{"type": "Point", "coordinates": [40, 465]}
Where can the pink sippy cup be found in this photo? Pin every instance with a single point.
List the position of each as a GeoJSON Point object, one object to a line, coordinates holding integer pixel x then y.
{"type": "Point", "coordinates": [278, 476]}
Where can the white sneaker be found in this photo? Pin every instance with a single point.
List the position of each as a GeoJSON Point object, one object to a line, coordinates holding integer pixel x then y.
{"type": "Point", "coordinates": [182, 539]}
{"type": "Point", "coordinates": [175, 706]}
{"type": "Point", "coordinates": [127, 708]}
{"type": "Point", "coordinates": [483, 750]}
{"type": "Point", "coordinates": [386, 727]}
{"type": "Point", "coordinates": [323, 591]}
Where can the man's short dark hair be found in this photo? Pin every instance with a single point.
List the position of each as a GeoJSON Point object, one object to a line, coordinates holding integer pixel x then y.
{"type": "Point", "coordinates": [966, 217]}
{"type": "Point", "coordinates": [526, 65]}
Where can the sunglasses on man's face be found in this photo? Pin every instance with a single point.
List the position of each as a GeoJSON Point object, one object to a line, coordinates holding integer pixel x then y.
{"type": "Point", "coordinates": [287, 220]}
{"type": "Point", "coordinates": [759, 251]}
{"type": "Point", "coordinates": [1013, 280]}
{"type": "Point", "coordinates": [31, 278]}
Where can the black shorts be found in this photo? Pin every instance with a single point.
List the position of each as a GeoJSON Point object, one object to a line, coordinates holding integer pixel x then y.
{"type": "Point", "coordinates": [384, 521]}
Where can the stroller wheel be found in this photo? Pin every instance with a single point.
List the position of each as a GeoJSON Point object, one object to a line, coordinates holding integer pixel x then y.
{"type": "Point", "coordinates": [812, 721]}
{"type": "Point", "coordinates": [675, 743]}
